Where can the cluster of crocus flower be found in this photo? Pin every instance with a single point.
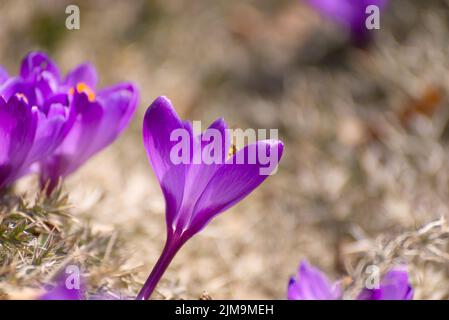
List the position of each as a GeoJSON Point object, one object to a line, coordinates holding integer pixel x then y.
{"type": "Point", "coordinates": [52, 125]}
{"type": "Point", "coordinates": [196, 192]}
{"type": "Point", "coordinates": [312, 284]}
{"type": "Point", "coordinates": [351, 15]}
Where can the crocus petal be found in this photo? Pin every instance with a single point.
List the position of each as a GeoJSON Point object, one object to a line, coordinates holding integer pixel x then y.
{"type": "Point", "coordinates": [207, 138]}
{"type": "Point", "coordinates": [312, 284]}
{"type": "Point", "coordinates": [18, 123]}
{"type": "Point", "coordinates": [159, 123]}
{"type": "Point", "coordinates": [350, 14]}
{"type": "Point", "coordinates": [84, 73]}
{"type": "Point", "coordinates": [338, 10]}
{"type": "Point", "coordinates": [17, 85]}
{"type": "Point", "coordinates": [36, 63]}
{"type": "Point", "coordinates": [61, 293]}
{"type": "Point", "coordinates": [65, 291]}
{"type": "Point", "coordinates": [120, 103]}
{"type": "Point", "coordinates": [3, 75]}
{"type": "Point", "coordinates": [234, 180]}
{"type": "Point", "coordinates": [395, 285]}
{"type": "Point", "coordinates": [74, 150]}
{"type": "Point", "coordinates": [51, 130]}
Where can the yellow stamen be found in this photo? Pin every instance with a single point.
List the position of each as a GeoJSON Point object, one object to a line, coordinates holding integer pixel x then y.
{"type": "Point", "coordinates": [82, 87]}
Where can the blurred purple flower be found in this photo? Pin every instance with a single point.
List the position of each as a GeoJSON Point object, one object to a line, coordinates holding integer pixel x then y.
{"type": "Point", "coordinates": [395, 285]}
{"type": "Point", "coordinates": [195, 193]}
{"type": "Point", "coordinates": [61, 292]}
{"type": "Point", "coordinates": [64, 291]}
{"type": "Point", "coordinates": [78, 122]}
{"type": "Point", "coordinates": [312, 284]}
{"type": "Point", "coordinates": [351, 14]}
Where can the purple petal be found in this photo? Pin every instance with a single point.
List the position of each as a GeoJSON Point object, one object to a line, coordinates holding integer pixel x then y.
{"type": "Point", "coordinates": [64, 291]}
{"type": "Point", "coordinates": [218, 129]}
{"type": "Point", "coordinates": [312, 284]}
{"type": "Point", "coordinates": [18, 123]}
{"type": "Point", "coordinates": [84, 73]}
{"type": "Point", "coordinates": [3, 75]}
{"type": "Point", "coordinates": [17, 85]}
{"type": "Point", "coordinates": [75, 149]}
{"type": "Point", "coordinates": [210, 150]}
{"type": "Point", "coordinates": [120, 103]}
{"type": "Point", "coordinates": [37, 63]}
{"type": "Point", "coordinates": [338, 10]}
{"type": "Point", "coordinates": [351, 14]}
{"type": "Point", "coordinates": [234, 180]}
{"type": "Point", "coordinates": [395, 285]}
{"type": "Point", "coordinates": [159, 123]}
{"type": "Point", "coordinates": [51, 130]}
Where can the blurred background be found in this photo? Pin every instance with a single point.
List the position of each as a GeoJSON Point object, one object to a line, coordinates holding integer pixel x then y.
{"type": "Point", "coordinates": [365, 130]}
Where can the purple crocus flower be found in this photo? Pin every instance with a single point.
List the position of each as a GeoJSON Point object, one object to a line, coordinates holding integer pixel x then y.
{"type": "Point", "coordinates": [351, 14]}
{"type": "Point", "coordinates": [195, 192]}
{"type": "Point", "coordinates": [102, 116]}
{"type": "Point", "coordinates": [312, 284]}
{"type": "Point", "coordinates": [92, 119]}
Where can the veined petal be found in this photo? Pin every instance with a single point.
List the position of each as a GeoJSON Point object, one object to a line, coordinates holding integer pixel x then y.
{"type": "Point", "coordinates": [159, 123]}
{"type": "Point", "coordinates": [312, 284]}
{"type": "Point", "coordinates": [233, 181]}
{"type": "Point", "coordinates": [84, 73]}
{"type": "Point", "coordinates": [395, 285]}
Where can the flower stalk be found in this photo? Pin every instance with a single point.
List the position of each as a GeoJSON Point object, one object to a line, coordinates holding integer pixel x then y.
{"type": "Point", "coordinates": [172, 246]}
